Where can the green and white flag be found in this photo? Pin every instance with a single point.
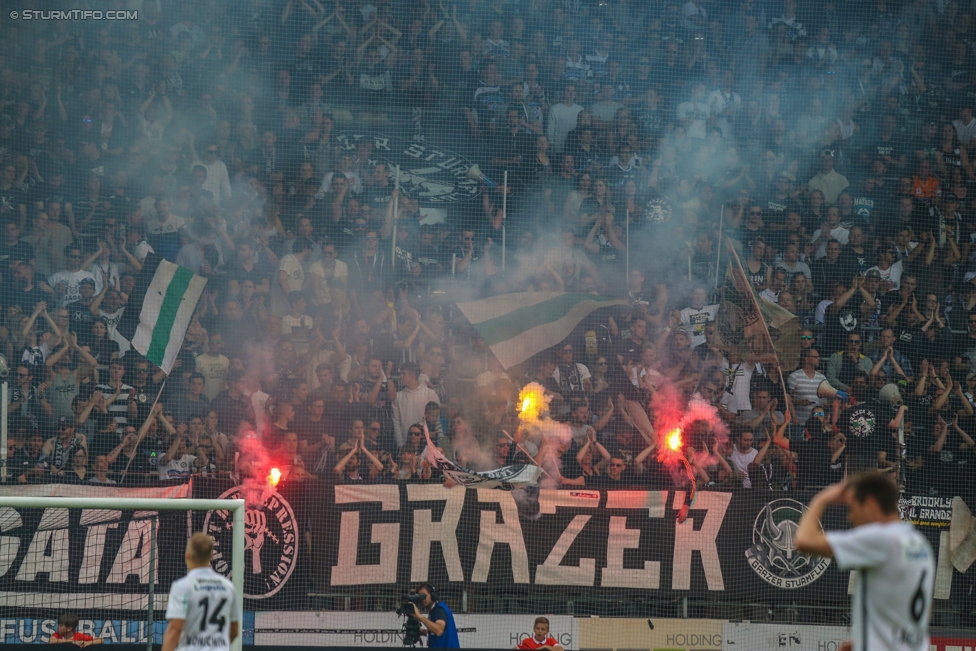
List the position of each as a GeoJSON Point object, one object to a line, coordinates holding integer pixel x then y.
{"type": "Point", "coordinates": [517, 326]}
{"type": "Point", "coordinates": [167, 309]}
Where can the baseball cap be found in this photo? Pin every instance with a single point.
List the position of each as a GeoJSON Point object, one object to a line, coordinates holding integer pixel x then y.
{"type": "Point", "coordinates": [873, 273]}
{"type": "Point", "coordinates": [66, 421]}
{"type": "Point", "coordinates": [786, 176]}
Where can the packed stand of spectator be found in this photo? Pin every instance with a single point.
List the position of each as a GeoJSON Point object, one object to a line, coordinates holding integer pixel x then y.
{"type": "Point", "coordinates": [830, 142]}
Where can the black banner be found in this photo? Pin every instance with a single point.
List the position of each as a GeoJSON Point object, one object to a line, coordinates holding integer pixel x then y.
{"type": "Point", "coordinates": [379, 537]}
{"type": "Point", "coordinates": [54, 559]}
{"type": "Point", "coordinates": [315, 538]}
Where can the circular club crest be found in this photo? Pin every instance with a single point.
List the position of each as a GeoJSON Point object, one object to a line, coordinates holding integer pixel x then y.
{"type": "Point", "coordinates": [431, 175]}
{"type": "Point", "coordinates": [270, 543]}
{"type": "Point", "coordinates": [657, 211]}
{"type": "Point", "coordinates": [773, 555]}
{"type": "Point", "coordinates": [861, 422]}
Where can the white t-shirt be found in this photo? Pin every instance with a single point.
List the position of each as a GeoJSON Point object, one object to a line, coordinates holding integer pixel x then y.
{"type": "Point", "coordinates": [741, 461]}
{"type": "Point", "coordinates": [695, 319]}
{"type": "Point", "coordinates": [214, 369]}
{"type": "Point", "coordinates": [893, 586]}
{"type": "Point", "coordinates": [290, 323]}
{"type": "Point", "coordinates": [965, 132]}
{"type": "Point", "coordinates": [177, 469]}
{"type": "Point", "coordinates": [737, 380]}
{"type": "Point", "coordinates": [701, 112]}
{"type": "Point", "coordinates": [890, 277]}
{"type": "Point", "coordinates": [296, 273]}
{"type": "Point", "coordinates": [173, 224]}
{"type": "Point", "coordinates": [839, 233]}
{"type": "Point", "coordinates": [72, 279]}
{"type": "Point", "coordinates": [207, 604]}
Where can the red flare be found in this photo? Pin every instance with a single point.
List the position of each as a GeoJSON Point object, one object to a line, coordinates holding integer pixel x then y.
{"type": "Point", "coordinates": [274, 477]}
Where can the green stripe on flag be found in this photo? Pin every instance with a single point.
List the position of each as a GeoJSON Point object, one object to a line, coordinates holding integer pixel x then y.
{"type": "Point", "coordinates": [167, 314]}
{"type": "Point", "coordinates": [514, 323]}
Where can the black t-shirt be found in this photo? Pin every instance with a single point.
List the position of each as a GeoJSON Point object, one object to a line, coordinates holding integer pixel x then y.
{"type": "Point", "coordinates": [21, 251]}
{"type": "Point", "coordinates": [904, 330]}
{"type": "Point", "coordinates": [865, 425]}
{"type": "Point", "coordinates": [813, 463]}
{"type": "Point", "coordinates": [26, 299]}
{"type": "Point", "coordinates": [840, 324]}
{"type": "Point", "coordinates": [81, 320]}
{"type": "Point", "coordinates": [965, 347]}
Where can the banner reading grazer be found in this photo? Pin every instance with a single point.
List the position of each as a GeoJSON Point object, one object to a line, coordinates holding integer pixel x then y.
{"type": "Point", "coordinates": [384, 537]}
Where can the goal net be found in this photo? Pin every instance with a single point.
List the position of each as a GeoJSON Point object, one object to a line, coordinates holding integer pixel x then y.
{"type": "Point", "coordinates": [101, 558]}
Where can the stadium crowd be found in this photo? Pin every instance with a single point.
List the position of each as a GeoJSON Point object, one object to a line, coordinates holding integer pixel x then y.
{"type": "Point", "coordinates": [250, 143]}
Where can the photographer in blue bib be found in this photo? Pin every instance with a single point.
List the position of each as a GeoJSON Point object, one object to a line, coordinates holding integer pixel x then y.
{"type": "Point", "coordinates": [439, 624]}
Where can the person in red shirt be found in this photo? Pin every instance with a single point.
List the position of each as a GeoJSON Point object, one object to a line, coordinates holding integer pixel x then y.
{"type": "Point", "coordinates": [541, 639]}
{"type": "Point", "coordinates": [68, 633]}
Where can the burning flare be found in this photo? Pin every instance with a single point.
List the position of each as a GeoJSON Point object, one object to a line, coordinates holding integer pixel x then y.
{"type": "Point", "coordinates": [674, 439]}
{"type": "Point", "coordinates": [274, 477]}
{"type": "Point", "coordinates": [532, 402]}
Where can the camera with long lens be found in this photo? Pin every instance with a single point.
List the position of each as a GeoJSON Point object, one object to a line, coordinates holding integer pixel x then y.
{"type": "Point", "coordinates": [411, 627]}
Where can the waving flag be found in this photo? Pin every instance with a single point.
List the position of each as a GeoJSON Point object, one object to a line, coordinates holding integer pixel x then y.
{"type": "Point", "coordinates": [517, 326]}
{"type": "Point", "coordinates": [760, 330]}
{"type": "Point", "coordinates": [505, 478]}
{"type": "Point", "coordinates": [167, 308]}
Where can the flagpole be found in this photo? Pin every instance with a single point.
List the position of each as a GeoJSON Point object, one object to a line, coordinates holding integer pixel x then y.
{"type": "Point", "coordinates": [531, 458]}
{"type": "Point", "coordinates": [158, 393]}
{"type": "Point", "coordinates": [396, 209]}
{"type": "Point", "coordinates": [755, 305]}
{"type": "Point", "coordinates": [504, 216]}
{"type": "Point", "coordinates": [628, 244]}
{"type": "Point", "coordinates": [718, 247]}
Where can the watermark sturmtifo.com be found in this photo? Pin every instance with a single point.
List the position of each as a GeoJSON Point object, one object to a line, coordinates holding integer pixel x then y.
{"type": "Point", "coordinates": [73, 14]}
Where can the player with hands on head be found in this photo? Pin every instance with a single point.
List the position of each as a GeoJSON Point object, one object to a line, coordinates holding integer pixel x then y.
{"type": "Point", "coordinates": [893, 563]}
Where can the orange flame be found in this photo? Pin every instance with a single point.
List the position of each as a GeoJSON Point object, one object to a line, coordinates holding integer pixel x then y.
{"type": "Point", "coordinates": [274, 477]}
{"type": "Point", "coordinates": [533, 402]}
{"type": "Point", "coordinates": [674, 440]}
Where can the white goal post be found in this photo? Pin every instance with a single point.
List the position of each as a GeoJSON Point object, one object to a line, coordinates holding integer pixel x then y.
{"type": "Point", "coordinates": [156, 504]}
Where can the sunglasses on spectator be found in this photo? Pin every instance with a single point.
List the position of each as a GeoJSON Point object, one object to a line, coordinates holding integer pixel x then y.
{"type": "Point", "coordinates": [806, 337]}
{"type": "Point", "coordinates": [416, 434]}
{"type": "Point", "coordinates": [818, 414]}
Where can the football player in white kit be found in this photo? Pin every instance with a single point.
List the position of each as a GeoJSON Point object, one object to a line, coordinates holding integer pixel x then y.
{"type": "Point", "coordinates": [203, 611]}
{"type": "Point", "coordinates": [894, 563]}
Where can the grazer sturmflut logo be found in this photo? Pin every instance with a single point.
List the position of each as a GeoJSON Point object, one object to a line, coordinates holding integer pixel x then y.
{"type": "Point", "coordinates": [270, 543]}
{"type": "Point", "coordinates": [773, 555]}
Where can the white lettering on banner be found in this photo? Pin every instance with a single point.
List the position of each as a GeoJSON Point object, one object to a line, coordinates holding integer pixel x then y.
{"type": "Point", "coordinates": [37, 562]}
{"type": "Point", "coordinates": [94, 548]}
{"type": "Point", "coordinates": [426, 531]}
{"type": "Point", "coordinates": [687, 540]}
{"type": "Point", "coordinates": [138, 536]}
{"type": "Point", "coordinates": [615, 575]}
{"type": "Point", "coordinates": [507, 532]}
{"type": "Point", "coordinates": [9, 545]}
{"type": "Point", "coordinates": [552, 572]}
{"type": "Point", "coordinates": [348, 571]}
